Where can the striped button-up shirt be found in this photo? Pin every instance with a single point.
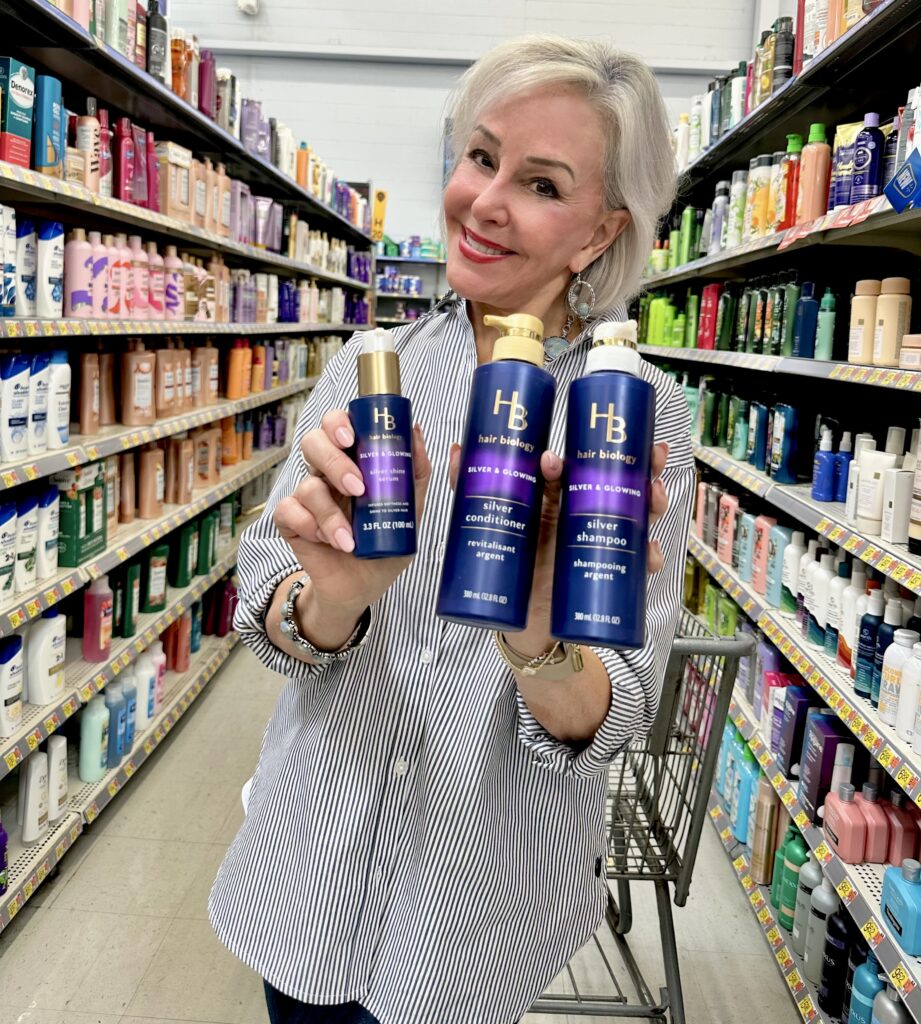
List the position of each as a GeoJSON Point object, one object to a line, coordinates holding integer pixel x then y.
{"type": "Point", "coordinates": [415, 840]}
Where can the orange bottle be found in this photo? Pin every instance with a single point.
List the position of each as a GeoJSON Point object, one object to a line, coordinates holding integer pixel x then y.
{"type": "Point", "coordinates": [814, 176]}
{"type": "Point", "coordinates": [235, 370]}
{"type": "Point", "coordinates": [247, 368]}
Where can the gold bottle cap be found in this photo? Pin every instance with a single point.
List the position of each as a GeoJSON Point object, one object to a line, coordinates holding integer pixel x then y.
{"type": "Point", "coordinates": [522, 338]}
{"type": "Point", "coordinates": [378, 366]}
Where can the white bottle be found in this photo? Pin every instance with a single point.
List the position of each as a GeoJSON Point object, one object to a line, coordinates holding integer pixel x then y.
{"type": "Point", "coordinates": [57, 777]}
{"type": "Point", "coordinates": [46, 540]}
{"type": "Point", "coordinates": [26, 535]}
{"type": "Point", "coordinates": [58, 428]}
{"type": "Point", "coordinates": [682, 141]}
{"type": "Point", "coordinates": [863, 442]}
{"type": "Point", "coordinates": [897, 484]}
{"type": "Point", "coordinates": [47, 657]}
{"type": "Point", "coordinates": [145, 677]}
{"type": "Point", "coordinates": [35, 799]}
{"type": "Point", "coordinates": [7, 550]}
{"type": "Point", "coordinates": [694, 133]}
{"type": "Point", "coordinates": [908, 722]}
{"type": "Point", "coordinates": [10, 684]}
{"type": "Point", "coordinates": [39, 383]}
{"type": "Point", "coordinates": [806, 559]}
{"type": "Point", "coordinates": [26, 266]}
{"type": "Point", "coordinates": [898, 653]}
{"type": "Point", "coordinates": [49, 289]}
{"type": "Point", "coordinates": [790, 577]}
{"type": "Point", "coordinates": [847, 626]}
{"type": "Point", "coordinates": [809, 589]}
{"type": "Point", "coordinates": [833, 609]}
{"type": "Point", "coordinates": [14, 407]}
{"type": "Point", "coordinates": [821, 582]}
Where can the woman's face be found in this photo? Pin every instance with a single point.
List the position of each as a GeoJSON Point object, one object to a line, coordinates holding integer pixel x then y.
{"type": "Point", "coordinates": [524, 208]}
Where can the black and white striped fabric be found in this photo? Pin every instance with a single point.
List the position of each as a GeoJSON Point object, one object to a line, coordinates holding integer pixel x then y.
{"type": "Point", "coordinates": [415, 841]}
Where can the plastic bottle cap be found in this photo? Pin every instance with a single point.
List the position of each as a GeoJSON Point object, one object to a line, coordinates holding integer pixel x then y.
{"type": "Point", "coordinates": [794, 143]}
{"type": "Point", "coordinates": [896, 285]}
{"type": "Point", "coordinates": [871, 120]}
{"type": "Point", "coordinates": [798, 539]}
{"type": "Point", "coordinates": [877, 604]}
{"type": "Point", "coordinates": [893, 613]}
{"type": "Point", "coordinates": [825, 443]}
{"type": "Point", "coordinates": [614, 348]}
{"type": "Point", "coordinates": [906, 637]}
{"type": "Point", "coordinates": [808, 290]}
{"type": "Point", "coordinates": [868, 287]}
{"type": "Point", "coordinates": [828, 300]}
{"type": "Point", "coordinates": [845, 445]}
{"type": "Point", "coordinates": [817, 132]}
{"type": "Point", "coordinates": [846, 792]}
{"type": "Point", "coordinates": [895, 442]}
{"type": "Point", "coordinates": [870, 792]}
{"type": "Point", "coordinates": [844, 570]}
{"type": "Point", "coordinates": [911, 871]}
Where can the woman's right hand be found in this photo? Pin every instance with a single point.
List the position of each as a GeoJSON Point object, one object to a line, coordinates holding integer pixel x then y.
{"type": "Point", "coordinates": [316, 522]}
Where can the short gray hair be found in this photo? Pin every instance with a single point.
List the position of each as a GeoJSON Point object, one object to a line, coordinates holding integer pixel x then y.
{"type": "Point", "coordinates": [639, 168]}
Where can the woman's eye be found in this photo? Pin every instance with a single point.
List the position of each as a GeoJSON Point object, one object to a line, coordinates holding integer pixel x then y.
{"type": "Point", "coordinates": [481, 157]}
{"type": "Point", "coordinates": [545, 187]}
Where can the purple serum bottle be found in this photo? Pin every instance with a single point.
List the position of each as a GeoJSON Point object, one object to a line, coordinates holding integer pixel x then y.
{"type": "Point", "coordinates": [384, 517]}
{"type": "Point", "coordinates": [599, 578]}
{"type": "Point", "coordinates": [495, 518]}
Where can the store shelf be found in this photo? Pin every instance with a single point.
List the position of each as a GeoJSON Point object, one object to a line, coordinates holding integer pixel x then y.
{"type": "Point", "coordinates": [84, 680]}
{"type": "Point", "coordinates": [411, 259]}
{"type": "Point", "coordinates": [825, 517]}
{"type": "Point", "coordinates": [858, 885]}
{"type": "Point", "coordinates": [883, 377]}
{"type": "Point", "coordinates": [395, 321]}
{"type": "Point", "coordinates": [872, 222]}
{"type": "Point", "coordinates": [116, 439]}
{"type": "Point", "coordinates": [88, 799]}
{"type": "Point", "coordinates": [787, 959]}
{"type": "Point", "coordinates": [59, 46]}
{"type": "Point", "coordinates": [128, 541]}
{"type": "Point", "coordinates": [14, 328]}
{"type": "Point", "coordinates": [29, 866]}
{"type": "Point", "coordinates": [851, 74]}
{"type": "Point", "coordinates": [831, 681]}
{"type": "Point", "coordinates": [405, 298]}
{"type": "Point", "coordinates": [22, 183]}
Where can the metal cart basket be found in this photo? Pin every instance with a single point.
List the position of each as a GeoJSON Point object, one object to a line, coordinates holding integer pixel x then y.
{"type": "Point", "coordinates": [656, 805]}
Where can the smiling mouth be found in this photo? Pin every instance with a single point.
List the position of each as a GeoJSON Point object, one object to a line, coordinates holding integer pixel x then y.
{"type": "Point", "coordinates": [482, 246]}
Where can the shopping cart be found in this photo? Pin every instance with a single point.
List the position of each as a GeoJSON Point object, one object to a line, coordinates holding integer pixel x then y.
{"type": "Point", "coordinates": [656, 805]}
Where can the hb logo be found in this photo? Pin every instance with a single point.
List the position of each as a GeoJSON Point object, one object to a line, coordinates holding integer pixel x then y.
{"type": "Point", "coordinates": [384, 416]}
{"type": "Point", "coordinates": [616, 432]}
{"type": "Point", "coordinates": [517, 414]}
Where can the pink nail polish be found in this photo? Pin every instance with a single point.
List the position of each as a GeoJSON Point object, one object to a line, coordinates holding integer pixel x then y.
{"type": "Point", "coordinates": [344, 539]}
{"type": "Point", "coordinates": [353, 484]}
{"type": "Point", "coordinates": [345, 437]}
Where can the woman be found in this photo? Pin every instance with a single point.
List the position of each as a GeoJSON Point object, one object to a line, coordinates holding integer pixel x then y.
{"type": "Point", "coordinates": [425, 834]}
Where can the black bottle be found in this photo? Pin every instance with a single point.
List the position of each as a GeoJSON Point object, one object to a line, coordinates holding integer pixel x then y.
{"type": "Point", "coordinates": [157, 41]}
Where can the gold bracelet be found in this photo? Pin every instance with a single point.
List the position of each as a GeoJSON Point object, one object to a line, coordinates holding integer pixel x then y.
{"type": "Point", "coordinates": [560, 662]}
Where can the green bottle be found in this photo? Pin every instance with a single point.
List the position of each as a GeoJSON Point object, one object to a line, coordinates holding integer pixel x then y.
{"type": "Point", "coordinates": [184, 556]}
{"type": "Point", "coordinates": [132, 600]}
{"type": "Point", "coordinates": [206, 543]}
{"type": "Point", "coordinates": [153, 579]}
{"type": "Point", "coordinates": [773, 338]}
{"type": "Point", "coordinates": [741, 320]}
{"type": "Point", "coordinates": [668, 320]}
{"type": "Point", "coordinates": [777, 877]}
{"type": "Point", "coordinates": [795, 856]}
{"type": "Point", "coordinates": [755, 314]}
{"type": "Point", "coordinates": [739, 444]}
{"type": "Point", "coordinates": [691, 319]}
{"type": "Point", "coordinates": [722, 419]}
{"type": "Point", "coordinates": [688, 220]}
{"type": "Point", "coordinates": [674, 242]}
{"type": "Point", "coordinates": [725, 319]}
{"type": "Point", "coordinates": [677, 336]}
{"type": "Point", "coordinates": [825, 332]}
{"type": "Point", "coordinates": [791, 297]}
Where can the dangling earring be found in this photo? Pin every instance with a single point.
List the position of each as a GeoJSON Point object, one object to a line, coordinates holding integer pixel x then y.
{"type": "Point", "coordinates": [581, 306]}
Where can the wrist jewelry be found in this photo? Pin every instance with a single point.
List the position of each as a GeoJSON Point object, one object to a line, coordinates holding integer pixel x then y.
{"type": "Point", "coordinates": [560, 662]}
{"type": "Point", "coordinates": [289, 628]}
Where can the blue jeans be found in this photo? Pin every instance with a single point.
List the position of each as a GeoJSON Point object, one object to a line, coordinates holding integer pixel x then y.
{"type": "Point", "coordinates": [285, 1010]}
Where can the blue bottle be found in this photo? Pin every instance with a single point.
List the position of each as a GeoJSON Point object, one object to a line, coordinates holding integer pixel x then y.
{"type": "Point", "coordinates": [805, 322]}
{"type": "Point", "coordinates": [384, 517]}
{"type": "Point", "coordinates": [118, 723]}
{"type": "Point", "coordinates": [599, 578]}
{"type": "Point", "coordinates": [784, 428]}
{"type": "Point", "coordinates": [885, 635]}
{"type": "Point", "coordinates": [843, 457]}
{"type": "Point", "coordinates": [778, 539]}
{"type": "Point", "coordinates": [130, 693]}
{"type": "Point", "coordinates": [864, 987]}
{"type": "Point", "coordinates": [746, 783]}
{"type": "Point", "coordinates": [869, 154]}
{"type": "Point", "coordinates": [866, 645]}
{"type": "Point", "coordinates": [725, 746]}
{"type": "Point", "coordinates": [499, 494]}
{"type": "Point", "coordinates": [901, 904]}
{"type": "Point", "coordinates": [823, 469]}
{"type": "Point", "coordinates": [746, 545]}
{"type": "Point", "coordinates": [757, 435]}
{"type": "Point", "coordinates": [195, 635]}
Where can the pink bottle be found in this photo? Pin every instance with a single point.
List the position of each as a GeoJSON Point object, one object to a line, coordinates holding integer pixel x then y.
{"type": "Point", "coordinates": [763, 526]}
{"type": "Point", "coordinates": [845, 827]}
{"type": "Point", "coordinates": [78, 276]}
{"type": "Point", "coordinates": [903, 833]}
{"type": "Point", "coordinates": [124, 160]}
{"type": "Point", "coordinates": [729, 513]}
{"type": "Point", "coordinates": [701, 509]}
{"type": "Point", "coordinates": [141, 281]}
{"type": "Point", "coordinates": [158, 657]}
{"type": "Point", "coordinates": [97, 620]}
{"type": "Point", "coordinates": [115, 277]}
{"type": "Point", "coordinates": [228, 606]}
{"type": "Point", "coordinates": [157, 282]}
{"type": "Point", "coordinates": [127, 277]}
{"type": "Point", "coordinates": [100, 276]}
{"type": "Point", "coordinates": [877, 823]}
{"type": "Point", "coordinates": [174, 286]}
{"type": "Point", "coordinates": [153, 174]}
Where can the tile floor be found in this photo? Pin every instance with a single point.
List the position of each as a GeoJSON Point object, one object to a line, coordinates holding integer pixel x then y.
{"type": "Point", "coordinates": [121, 935]}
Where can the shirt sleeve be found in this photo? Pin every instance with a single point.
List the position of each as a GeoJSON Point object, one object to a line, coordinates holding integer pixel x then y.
{"type": "Point", "coordinates": [636, 676]}
{"type": "Point", "coordinates": [264, 557]}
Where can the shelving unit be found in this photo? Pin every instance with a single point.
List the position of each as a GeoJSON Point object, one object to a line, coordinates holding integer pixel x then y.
{"type": "Point", "coordinates": [412, 260]}
{"type": "Point", "coordinates": [785, 957]}
{"type": "Point", "coordinates": [13, 328]}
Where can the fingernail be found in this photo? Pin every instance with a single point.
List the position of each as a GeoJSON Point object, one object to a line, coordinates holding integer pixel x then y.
{"type": "Point", "coordinates": [345, 437]}
{"type": "Point", "coordinates": [353, 484]}
{"type": "Point", "coordinates": [344, 539]}
{"type": "Point", "coordinates": [554, 462]}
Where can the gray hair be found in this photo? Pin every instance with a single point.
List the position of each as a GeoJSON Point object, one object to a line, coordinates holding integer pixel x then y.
{"type": "Point", "coordinates": [639, 169]}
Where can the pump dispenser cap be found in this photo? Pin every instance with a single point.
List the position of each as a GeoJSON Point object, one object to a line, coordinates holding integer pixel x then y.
{"type": "Point", "coordinates": [378, 366]}
{"type": "Point", "coordinates": [817, 132]}
{"type": "Point", "coordinates": [522, 338]}
{"type": "Point", "coordinates": [911, 871]}
{"type": "Point", "coordinates": [825, 444]}
{"type": "Point", "coordinates": [828, 299]}
{"type": "Point", "coordinates": [794, 143]}
{"type": "Point", "coordinates": [614, 348]}
{"type": "Point", "coordinates": [845, 445]}
{"type": "Point", "coordinates": [846, 792]}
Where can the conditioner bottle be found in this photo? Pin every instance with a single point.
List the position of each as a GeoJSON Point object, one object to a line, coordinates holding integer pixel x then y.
{"type": "Point", "coordinates": [599, 580]}
{"type": "Point", "coordinates": [384, 516]}
{"type": "Point", "coordinates": [495, 518]}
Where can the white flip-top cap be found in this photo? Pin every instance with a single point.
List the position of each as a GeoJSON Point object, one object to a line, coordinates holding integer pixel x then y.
{"type": "Point", "coordinates": [614, 348]}
{"type": "Point", "coordinates": [377, 340]}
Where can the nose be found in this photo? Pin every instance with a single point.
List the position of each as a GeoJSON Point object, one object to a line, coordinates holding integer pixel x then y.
{"type": "Point", "coordinates": [491, 205]}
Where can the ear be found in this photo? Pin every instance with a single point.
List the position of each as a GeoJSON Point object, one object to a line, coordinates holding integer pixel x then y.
{"type": "Point", "coordinates": [613, 222]}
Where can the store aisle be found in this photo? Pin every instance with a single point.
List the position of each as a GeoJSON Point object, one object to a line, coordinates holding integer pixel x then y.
{"type": "Point", "coordinates": [122, 934]}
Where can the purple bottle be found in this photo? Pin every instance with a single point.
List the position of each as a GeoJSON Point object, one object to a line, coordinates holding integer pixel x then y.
{"type": "Point", "coordinates": [207, 84]}
{"type": "Point", "coordinates": [869, 153]}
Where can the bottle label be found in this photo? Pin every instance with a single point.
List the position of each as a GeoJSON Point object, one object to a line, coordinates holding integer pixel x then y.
{"type": "Point", "coordinates": [105, 624]}
{"type": "Point", "coordinates": [156, 589]}
{"type": "Point", "coordinates": [890, 687]}
{"type": "Point", "coordinates": [143, 390]}
{"type": "Point", "coordinates": [855, 341]}
{"type": "Point", "coordinates": [160, 482]}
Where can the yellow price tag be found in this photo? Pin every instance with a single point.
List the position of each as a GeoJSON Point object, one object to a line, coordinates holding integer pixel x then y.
{"type": "Point", "coordinates": [113, 787]}
{"type": "Point", "coordinates": [905, 777]}
{"type": "Point", "coordinates": [872, 933]}
{"type": "Point", "coordinates": [789, 799]}
{"type": "Point", "coordinates": [726, 834]}
{"type": "Point", "coordinates": [887, 758]}
{"type": "Point", "coordinates": [845, 890]}
{"type": "Point", "coordinates": [802, 820]}
{"type": "Point", "coordinates": [807, 1009]}
{"type": "Point", "coordinates": [778, 781]}
{"type": "Point", "coordinates": [899, 975]}
{"type": "Point", "coordinates": [795, 981]}
{"type": "Point", "coordinates": [822, 853]}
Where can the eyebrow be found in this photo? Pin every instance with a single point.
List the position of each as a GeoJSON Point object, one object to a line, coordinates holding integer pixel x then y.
{"type": "Point", "coordinates": [541, 161]}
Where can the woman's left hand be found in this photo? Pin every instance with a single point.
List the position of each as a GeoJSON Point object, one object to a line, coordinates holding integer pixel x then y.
{"type": "Point", "coordinates": [536, 639]}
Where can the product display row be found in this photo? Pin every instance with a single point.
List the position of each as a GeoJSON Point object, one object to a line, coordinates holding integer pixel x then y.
{"type": "Point", "coordinates": [415, 248]}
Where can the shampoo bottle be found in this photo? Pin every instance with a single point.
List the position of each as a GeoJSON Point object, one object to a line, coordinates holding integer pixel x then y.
{"type": "Point", "coordinates": [825, 331]}
{"type": "Point", "coordinates": [901, 905]}
{"type": "Point", "coordinates": [605, 505]}
{"type": "Point", "coordinates": [864, 989]}
{"type": "Point", "coordinates": [823, 469]}
{"type": "Point", "coordinates": [835, 607]}
{"type": "Point", "coordinates": [863, 322]}
{"type": "Point", "coordinates": [35, 798]}
{"type": "Point", "coordinates": [57, 777]}
{"type": "Point", "coordinates": [11, 678]}
{"type": "Point", "coordinates": [823, 903]}
{"type": "Point", "coordinates": [78, 276]}
{"type": "Point", "coordinates": [810, 876]}
{"type": "Point", "coordinates": [49, 289]}
{"type": "Point", "coordinates": [790, 576]}
{"type": "Point", "coordinates": [26, 267]}
{"type": "Point", "coordinates": [885, 637]}
{"type": "Point", "coordinates": [97, 620]}
{"type": "Point", "coordinates": [118, 724]}
{"type": "Point", "coordinates": [46, 656]}
{"type": "Point", "coordinates": [384, 515]}
{"type": "Point", "coordinates": [499, 485]}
